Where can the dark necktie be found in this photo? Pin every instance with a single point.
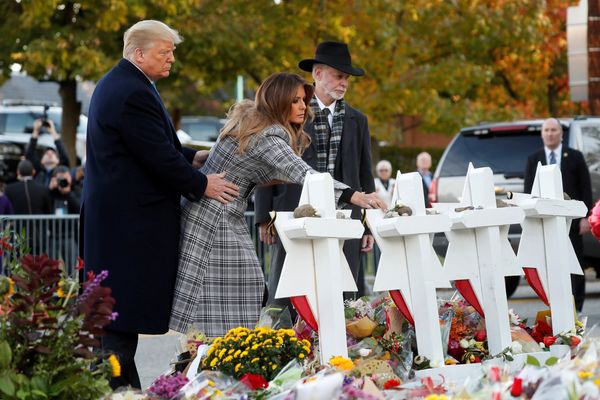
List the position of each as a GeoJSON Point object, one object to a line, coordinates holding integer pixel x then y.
{"type": "Point", "coordinates": [552, 158]}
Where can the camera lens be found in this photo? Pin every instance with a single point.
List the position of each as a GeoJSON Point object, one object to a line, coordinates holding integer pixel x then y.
{"type": "Point", "coordinates": [63, 182]}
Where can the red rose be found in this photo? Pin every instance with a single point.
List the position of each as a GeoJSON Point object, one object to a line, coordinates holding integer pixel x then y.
{"type": "Point", "coordinates": [517, 387]}
{"type": "Point", "coordinates": [594, 220]}
{"type": "Point", "coordinates": [575, 341]}
{"type": "Point", "coordinates": [254, 381]}
{"type": "Point", "coordinates": [392, 383]}
{"type": "Point", "coordinates": [549, 341]}
{"type": "Point", "coordinates": [543, 328]}
{"type": "Point", "coordinates": [481, 335]}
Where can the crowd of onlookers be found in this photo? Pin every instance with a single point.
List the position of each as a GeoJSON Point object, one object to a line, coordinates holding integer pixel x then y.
{"type": "Point", "coordinates": [384, 183]}
{"type": "Point", "coordinates": [46, 184]}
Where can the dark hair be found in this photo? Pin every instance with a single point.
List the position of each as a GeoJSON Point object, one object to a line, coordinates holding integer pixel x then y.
{"type": "Point", "coordinates": [61, 169]}
{"type": "Point", "coordinates": [272, 105]}
{"type": "Point", "coordinates": [25, 168]}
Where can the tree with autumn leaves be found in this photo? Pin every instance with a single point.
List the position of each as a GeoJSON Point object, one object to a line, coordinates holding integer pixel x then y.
{"type": "Point", "coordinates": [449, 63]}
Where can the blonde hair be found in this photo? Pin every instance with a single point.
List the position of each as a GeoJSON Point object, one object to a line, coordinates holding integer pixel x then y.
{"type": "Point", "coordinates": [272, 105]}
{"type": "Point", "coordinates": [143, 34]}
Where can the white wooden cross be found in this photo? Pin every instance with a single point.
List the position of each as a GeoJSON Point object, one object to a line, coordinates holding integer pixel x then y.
{"type": "Point", "coordinates": [315, 265]}
{"type": "Point", "coordinates": [545, 251]}
{"type": "Point", "coordinates": [408, 263]}
{"type": "Point", "coordinates": [479, 255]}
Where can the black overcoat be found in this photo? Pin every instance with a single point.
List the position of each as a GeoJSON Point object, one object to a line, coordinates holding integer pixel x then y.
{"type": "Point", "coordinates": [576, 183]}
{"type": "Point", "coordinates": [136, 173]}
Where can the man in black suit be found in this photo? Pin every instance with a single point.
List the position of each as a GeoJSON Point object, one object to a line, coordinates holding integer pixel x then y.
{"type": "Point", "coordinates": [576, 183]}
{"type": "Point", "coordinates": [30, 197]}
{"type": "Point", "coordinates": [136, 173]}
{"type": "Point", "coordinates": [340, 145]}
{"type": "Point", "coordinates": [26, 195]}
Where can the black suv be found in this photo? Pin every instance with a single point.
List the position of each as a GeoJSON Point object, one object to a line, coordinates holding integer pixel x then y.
{"type": "Point", "coordinates": [505, 147]}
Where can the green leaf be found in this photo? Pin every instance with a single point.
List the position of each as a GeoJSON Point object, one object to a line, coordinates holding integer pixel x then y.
{"type": "Point", "coordinates": [5, 355]}
{"type": "Point", "coordinates": [531, 360]}
{"type": "Point", "coordinates": [349, 313]}
{"type": "Point", "coordinates": [551, 361]}
{"type": "Point", "coordinates": [6, 385]}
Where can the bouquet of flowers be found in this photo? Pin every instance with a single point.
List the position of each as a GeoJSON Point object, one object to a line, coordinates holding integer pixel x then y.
{"type": "Point", "coordinates": [467, 338]}
{"type": "Point", "coordinates": [48, 333]}
{"type": "Point", "coordinates": [255, 354]}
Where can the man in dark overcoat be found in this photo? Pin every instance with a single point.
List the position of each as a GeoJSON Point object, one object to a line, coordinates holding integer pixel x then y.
{"type": "Point", "coordinates": [340, 145]}
{"type": "Point", "coordinates": [136, 173]}
{"type": "Point", "coordinates": [576, 183]}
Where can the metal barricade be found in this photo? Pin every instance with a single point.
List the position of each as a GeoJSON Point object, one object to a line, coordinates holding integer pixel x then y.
{"type": "Point", "coordinates": [55, 235]}
{"type": "Point", "coordinates": [58, 236]}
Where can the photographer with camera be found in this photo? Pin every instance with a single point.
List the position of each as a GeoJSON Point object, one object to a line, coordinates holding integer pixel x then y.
{"type": "Point", "coordinates": [64, 201]}
{"type": "Point", "coordinates": [51, 157]}
{"type": "Point", "coordinates": [64, 198]}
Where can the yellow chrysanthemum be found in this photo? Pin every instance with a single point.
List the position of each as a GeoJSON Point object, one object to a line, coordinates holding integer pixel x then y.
{"type": "Point", "coordinates": [237, 367]}
{"type": "Point", "coordinates": [115, 366]}
{"type": "Point", "coordinates": [436, 397]}
{"type": "Point", "coordinates": [222, 353]}
{"type": "Point", "coordinates": [255, 359]}
{"type": "Point", "coordinates": [213, 363]}
{"type": "Point", "coordinates": [584, 374]}
{"type": "Point", "coordinates": [228, 358]}
{"type": "Point", "coordinates": [300, 356]}
{"type": "Point", "coordinates": [60, 293]}
{"type": "Point", "coordinates": [341, 363]}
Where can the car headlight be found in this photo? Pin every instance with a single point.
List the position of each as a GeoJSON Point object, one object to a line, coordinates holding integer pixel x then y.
{"type": "Point", "coordinates": [10, 150]}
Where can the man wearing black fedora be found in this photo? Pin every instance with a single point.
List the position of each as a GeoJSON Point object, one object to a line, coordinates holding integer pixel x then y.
{"type": "Point", "coordinates": [340, 145]}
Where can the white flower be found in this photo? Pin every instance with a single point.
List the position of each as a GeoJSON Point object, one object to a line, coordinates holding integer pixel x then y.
{"type": "Point", "coordinates": [364, 352]}
{"type": "Point", "coordinates": [516, 347]}
{"type": "Point", "coordinates": [589, 390]}
{"type": "Point", "coordinates": [514, 318]}
{"type": "Point", "coordinates": [464, 343]}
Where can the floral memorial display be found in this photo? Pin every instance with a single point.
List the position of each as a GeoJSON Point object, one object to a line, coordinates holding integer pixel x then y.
{"type": "Point", "coordinates": [49, 334]}
{"type": "Point", "coordinates": [51, 324]}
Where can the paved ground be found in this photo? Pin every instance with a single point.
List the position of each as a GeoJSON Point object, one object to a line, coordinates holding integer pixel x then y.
{"type": "Point", "coordinates": [157, 351]}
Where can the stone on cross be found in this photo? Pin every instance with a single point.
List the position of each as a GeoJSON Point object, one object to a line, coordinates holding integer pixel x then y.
{"type": "Point", "coordinates": [409, 267]}
{"type": "Point", "coordinates": [545, 251]}
{"type": "Point", "coordinates": [315, 267]}
{"type": "Point", "coordinates": [479, 255]}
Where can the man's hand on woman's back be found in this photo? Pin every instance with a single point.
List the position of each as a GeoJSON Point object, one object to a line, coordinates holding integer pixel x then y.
{"type": "Point", "coordinates": [218, 188]}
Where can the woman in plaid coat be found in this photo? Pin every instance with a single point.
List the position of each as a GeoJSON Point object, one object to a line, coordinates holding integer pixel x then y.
{"type": "Point", "coordinates": [220, 284]}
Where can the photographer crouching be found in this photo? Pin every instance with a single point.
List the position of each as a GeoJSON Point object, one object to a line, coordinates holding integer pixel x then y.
{"type": "Point", "coordinates": [64, 201]}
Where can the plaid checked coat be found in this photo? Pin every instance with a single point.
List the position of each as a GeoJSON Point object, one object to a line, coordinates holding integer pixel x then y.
{"type": "Point", "coordinates": [220, 284]}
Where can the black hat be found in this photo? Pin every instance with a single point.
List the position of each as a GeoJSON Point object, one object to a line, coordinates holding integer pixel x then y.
{"type": "Point", "coordinates": [334, 54]}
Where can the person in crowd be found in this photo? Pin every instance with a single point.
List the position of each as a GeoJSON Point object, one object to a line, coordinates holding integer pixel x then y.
{"type": "Point", "coordinates": [77, 175]}
{"type": "Point", "coordinates": [51, 158]}
{"type": "Point", "coordinates": [423, 168]}
{"type": "Point", "coordinates": [64, 199]}
{"type": "Point", "coordinates": [31, 198]}
{"type": "Point", "coordinates": [136, 173]}
{"type": "Point", "coordinates": [340, 145]}
{"type": "Point", "coordinates": [384, 183]}
{"type": "Point", "coordinates": [26, 195]}
{"type": "Point", "coordinates": [576, 183]}
{"type": "Point", "coordinates": [5, 204]}
{"type": "Point", "coordinates": [220, 284]}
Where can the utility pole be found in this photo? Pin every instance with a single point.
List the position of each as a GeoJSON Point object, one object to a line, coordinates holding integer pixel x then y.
{"type": "Point", "coordinates": [593, 39]}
